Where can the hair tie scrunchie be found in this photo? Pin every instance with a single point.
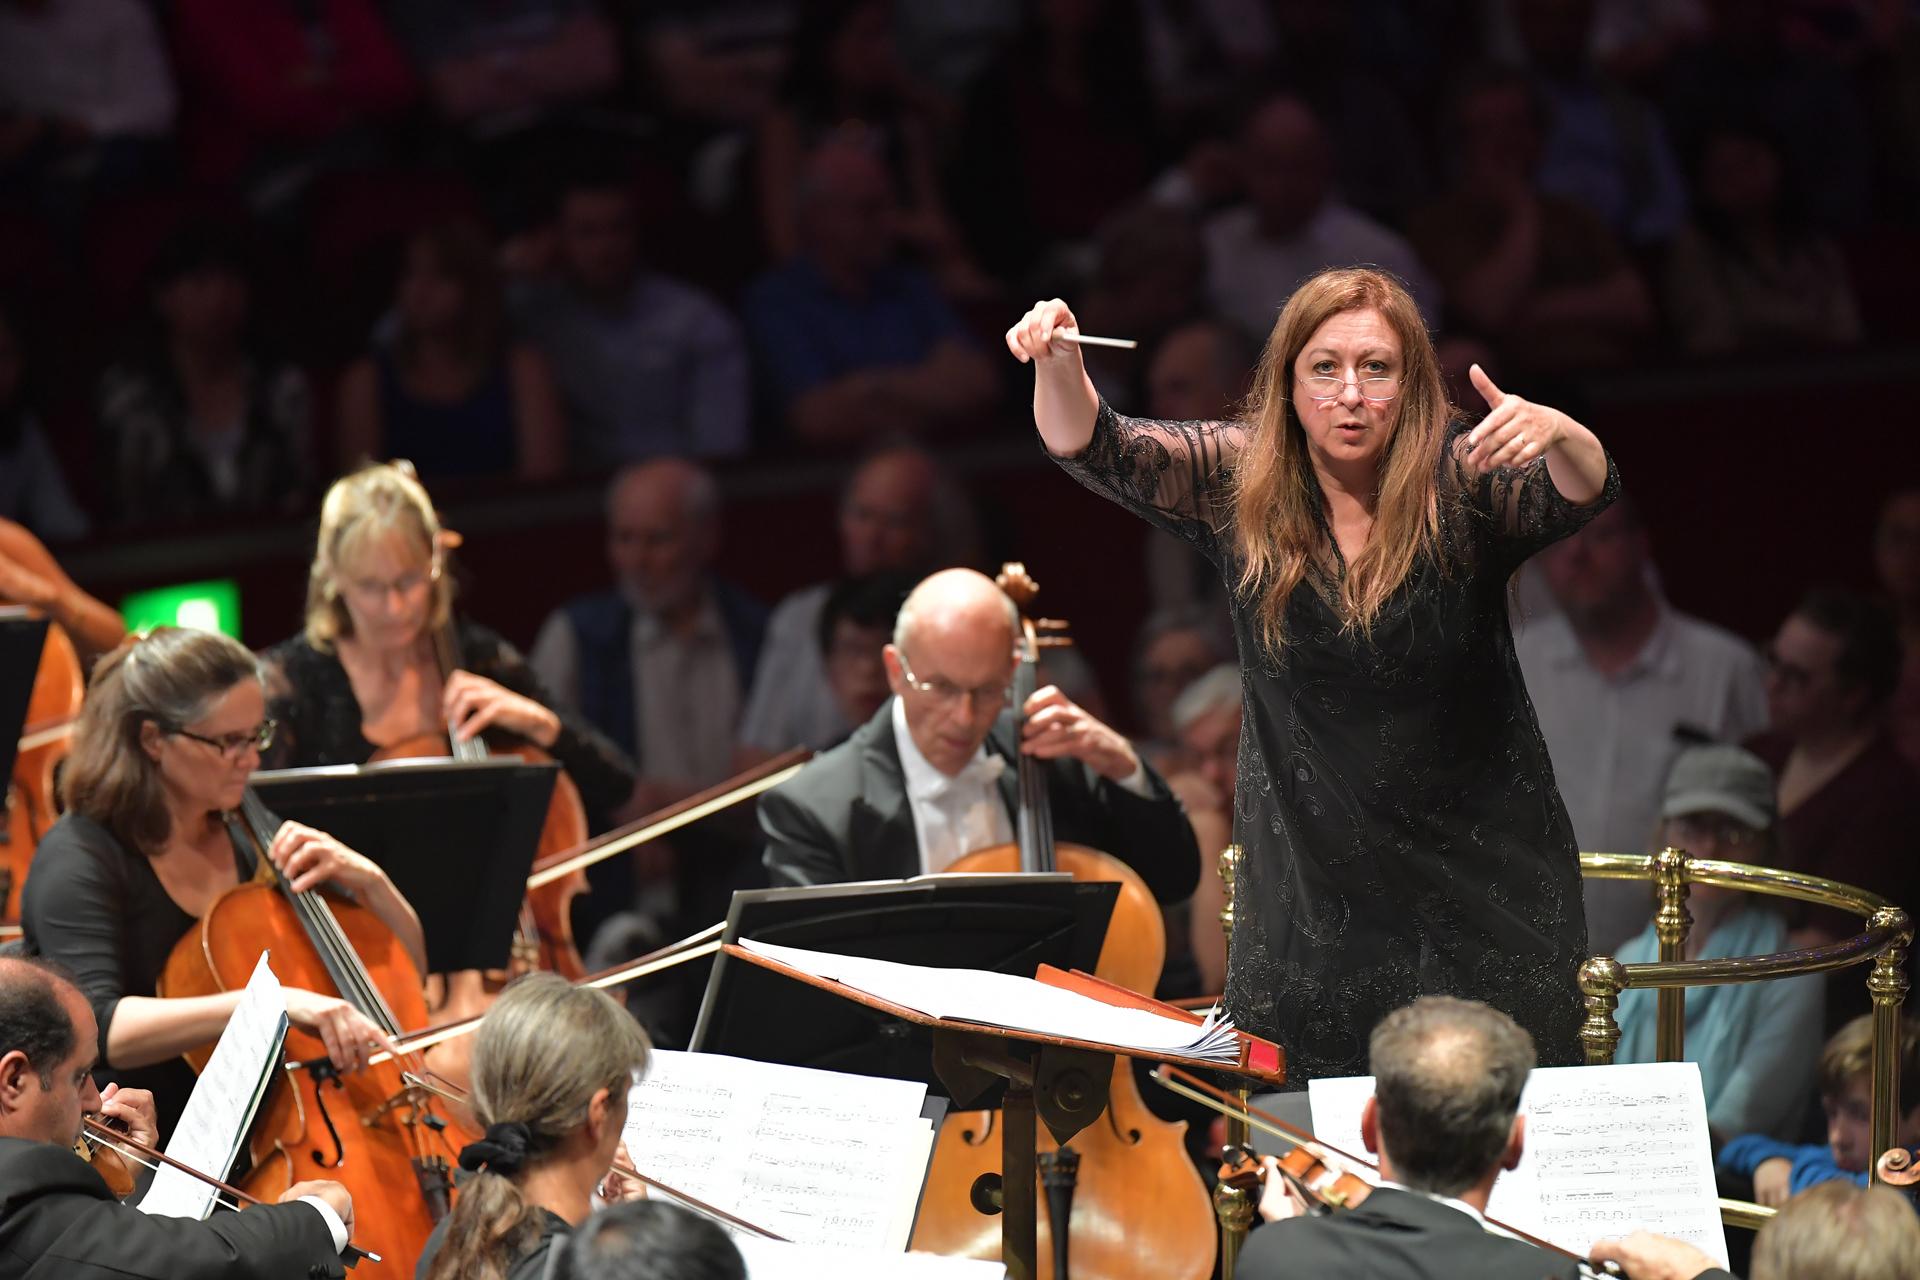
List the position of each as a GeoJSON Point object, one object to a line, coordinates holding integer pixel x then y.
{"type": "Point", "coordinates": [502, 1151]}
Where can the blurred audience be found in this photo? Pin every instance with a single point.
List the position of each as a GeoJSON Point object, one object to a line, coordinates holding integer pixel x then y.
{"type": "Point", "coordinates": [1896, 561]}
{"type": "Point", "coordinates": [1147, 277]}
{"type": "Point", "coordinates": [1621, 681]}
{"type": "Point", "coordinates": [503, 61]}
{"type": "Point", "coordinates": [1539, 276]}
{"type": "Point", "coordinates": [1175, 648]}
{"type": "Point", "coordinates": [450, 391]}
{"type": "Point", "coordinates": [33, 485]}
{"type": "Point", "coordinates": [1206, 724]}
{"type": "Point", "coordinates": [856, 623]}
{"type": "Point", "coordinates": [899, 512]}
{"type": "Point", "coordinates": [710, 63]}
{"type": "Point", "coordinates": [1749, 273]}
{"type": "Point", "coordinates": [855, 341]}
{"type": "Point", "coordinates": [646, 365]}
{"type": "Point", "coordinates": [201, 420]}
{"type": "Point", "coordinates": [1751, 1039]}
{"type": "Point", "coordinates": [1200, 768]}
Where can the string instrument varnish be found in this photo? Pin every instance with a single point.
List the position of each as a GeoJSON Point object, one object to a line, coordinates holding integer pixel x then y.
{"type": "Point", "coordinates": [1135, 1206]}
{"type": "Point", "coordinates": [45, 734]}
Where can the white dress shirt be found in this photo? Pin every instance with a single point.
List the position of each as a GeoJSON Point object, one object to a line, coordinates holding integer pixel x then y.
{"type": "Point", "coordinates": [952, 816]}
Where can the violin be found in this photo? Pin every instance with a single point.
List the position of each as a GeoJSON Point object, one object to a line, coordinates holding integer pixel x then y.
{"type": "Point", "coordinates": [1124, 1201]}
{"type": "Point", "coordinates": [379, 1135]}
{"type": "Point", "coordinates": [108, 1148]}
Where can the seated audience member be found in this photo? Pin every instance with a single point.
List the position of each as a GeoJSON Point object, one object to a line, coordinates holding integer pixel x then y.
{"type": "Point", "coordinates": [1205, 719]}
{"type": "Point", "coordinates": [1620, 680]}
{"type": "Point", "coordinates": [88, 94]}
{"type": "Point", "coordinates": [29, 575]}
{"type": "Point", "coordinates": [450, 392]}
{"type": "Point", "coordinates": [33, 487]}
{"type": "Point", "coordinates": [1174, 649]}
{"type": "Point", "coordinates": [646, 365]}
{"type": "Point", "coordinates": [651, 1240]}
{"type": "Point", "coordinates": [1849, 805]}
{"type": "Point", "coordinates": [1748, 274]}
{"type": "Point", "coordinates": [201, 422]}
{"type": "Point", "coordinates": [1147, 279]}
{"type": "Point", "coordinates": [1443, 1123]}
{"type": "Point", "coordinates": [711, 63]}
{"type": "Point", "coordinates": [1541, 277]}
{"type": "Point", "coordinates": [270, 88]}
{"type": "Point", "coordinates": [59, 1219]}
{"type": "Point", "coordinates": [1200, 372]}
{"type": "Point", "coordinates": [506, 61]}
{"type": "Point", "coordinates": [553, 1065]}
{"type": "Point", "coordinates": [901, 512]}
{"type": "Point", "coordinates": [1896, 562]}
{"type": "Point", "coordinates": [856, 622]}
{"type": "Point", "coordinates": [927, 780]}
{"type": "Point", "coordinates": [1782, 1169]}
{"type": "Point", "coordinates": [1752, 1040]}
{"type": "Point", "coordinates": [1835, 1231]}
{"type": "Point", "coordinates": [1206, 723]}
{"type": "Point", "coordinates": [1293, 225]}
{"type": "Point", "coordinates": [854, 341]}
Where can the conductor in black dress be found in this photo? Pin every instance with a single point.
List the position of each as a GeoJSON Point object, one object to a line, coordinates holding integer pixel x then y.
{"type": "Point", "coordinates": [1402, 831]}
{"type": "Point", "coordinates": [932, 776]}
{"type": "Point", "coordinates": [58, 1221]}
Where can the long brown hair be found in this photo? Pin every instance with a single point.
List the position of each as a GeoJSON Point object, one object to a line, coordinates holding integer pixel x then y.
{"type": "Point", "coordinates": [378, 499]}
{"type": "Point", "coordinates": [542, 1052]}
{"type": "Point", "coordinates": [171, 676]}
{"type": "Point", "coordinates": [1278, 525]}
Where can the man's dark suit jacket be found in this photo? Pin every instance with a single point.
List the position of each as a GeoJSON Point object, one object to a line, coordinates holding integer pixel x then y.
{"type": "Point", "coordinates": [1397, 1235]}
{"type": "Point", "coordinates": [59, 1222]}
{"type": "Point", "coordinates": [846, 815]}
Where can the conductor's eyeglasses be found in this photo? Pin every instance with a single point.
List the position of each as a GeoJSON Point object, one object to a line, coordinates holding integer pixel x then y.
{"type": "Point", "coordinates": [1376, 389]}
{"type": "Point", "coordinates": [231, 745]}
{"type": "Point", "coordinates": [945, 694]}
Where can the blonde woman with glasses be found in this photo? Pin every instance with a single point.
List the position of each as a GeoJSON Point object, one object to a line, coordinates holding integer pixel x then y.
{"type": "Point", "coordinates": [1402, 831]}
{"type": "Point", "coordinates": [171, 730]}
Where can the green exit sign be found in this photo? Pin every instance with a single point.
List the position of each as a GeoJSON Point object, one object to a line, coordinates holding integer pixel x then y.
{"type": "Point", "coordinates": [205, 606]}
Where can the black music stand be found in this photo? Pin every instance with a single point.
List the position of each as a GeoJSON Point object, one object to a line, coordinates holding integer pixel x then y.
{"type": "Point", "coordinates": [458, 839]}
{"type": "Point", "coordinates": [22, 636]}
{"type": "Point", "coordinates": [1005, 923]}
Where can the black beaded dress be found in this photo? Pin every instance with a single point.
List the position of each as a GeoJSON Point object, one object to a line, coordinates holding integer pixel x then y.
{"type": "Point", "coordinates": [1402, 832]}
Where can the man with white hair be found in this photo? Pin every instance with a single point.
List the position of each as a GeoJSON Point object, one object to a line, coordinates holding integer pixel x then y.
{"type": "Point", "coordinates": [926, 780]}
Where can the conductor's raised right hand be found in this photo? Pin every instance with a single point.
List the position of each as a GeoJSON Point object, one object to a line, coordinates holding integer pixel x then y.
{"type": "Point", "coordinates": [338, 1198]}
{"type": "Point", "coordinates": [350, 1038]}
{"type": "Point", "coordinates": [1032, 336]}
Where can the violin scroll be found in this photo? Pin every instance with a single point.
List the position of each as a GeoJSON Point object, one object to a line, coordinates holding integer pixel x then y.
{"type": "Point", "coordinates": [1897, 1168]}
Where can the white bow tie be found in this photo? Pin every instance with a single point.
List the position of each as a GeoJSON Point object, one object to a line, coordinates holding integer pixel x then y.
{"type": "Point", "coordinates": [982, 771]}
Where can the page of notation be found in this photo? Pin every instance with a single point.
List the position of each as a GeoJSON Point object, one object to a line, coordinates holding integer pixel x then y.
{"type": "Point", "coordinates": [1005, 1000]}
{"type": "Point", "coordinates": [1609, 1150]}
{"type": "Point", "coordinates": [224, 1100]}
{"type": "Point", "coordinates": [819, 1157]}
{"type": "Point", "coordinates": [771, 1260]}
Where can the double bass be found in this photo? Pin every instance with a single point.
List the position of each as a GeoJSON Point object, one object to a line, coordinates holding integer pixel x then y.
{"type": "Point", "coordinates": [376, 1131]}
{"type": "Point", "coordinates": [45, 734]}
{"type": "Point", "coordinates": [1132, 1202]}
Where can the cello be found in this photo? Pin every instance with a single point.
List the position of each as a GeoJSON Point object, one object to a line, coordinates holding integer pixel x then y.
{"type": "Point", "coordinates": [375, 1130]}
{"type": "Point", "coordinates": [1131, 1200]}
{"type": "Point", "coordinates": [45, 735]}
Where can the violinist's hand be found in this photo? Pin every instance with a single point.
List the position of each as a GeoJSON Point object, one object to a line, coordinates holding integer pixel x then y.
{"type": "Point", "coordinates": [618, 1187]}
{"type": "Point", "coordinates": [133, 1108]}
{"type": "Point", "coordinates": [1646, 1256]}
{"type": "Point", "coordinates": [1279, 1198]}
{"type": "Point", "coordinates": [1773, 1182]}
{"type": "Point", "coordinates": [473, 703]}
{"type": "Point", "coordinates": [338, 1198]}
{"type": "Point", "coordinates": [1031, 337]}
{"type": "Point", "coordinates": [1516, 431]}
{"type": "Point", "coordinates": [1056, 727]}
{"type": "Point", "coordinates": [308, 858]}
{"type": "Point", "coordinates": [350, 1038]}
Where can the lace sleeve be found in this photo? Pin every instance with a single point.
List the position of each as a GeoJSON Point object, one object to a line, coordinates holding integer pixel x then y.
{"type": "Point", "coordinates": [1522, 507]}
{"type": "Point", "coordinates": [1172, 474]}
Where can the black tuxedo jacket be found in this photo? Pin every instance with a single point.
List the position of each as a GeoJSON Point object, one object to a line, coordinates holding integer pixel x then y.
{"type": "Point", "coordinates": [59, 1222]}
{"type": "Point", "coordinates": [846, 815]}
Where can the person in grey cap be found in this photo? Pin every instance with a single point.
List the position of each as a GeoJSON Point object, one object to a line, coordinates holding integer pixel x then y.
{"type": "Point", "coordinates": [1756, 1042]}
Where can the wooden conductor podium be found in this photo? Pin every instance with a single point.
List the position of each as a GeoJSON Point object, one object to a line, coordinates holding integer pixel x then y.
{"type": "Point", "coordinates": [1058, 1079]}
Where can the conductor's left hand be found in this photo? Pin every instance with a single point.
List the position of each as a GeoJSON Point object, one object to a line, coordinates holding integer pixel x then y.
{"type": "Point", "coordinates": [1514, 432]}
{"type": "Point", "coordinates": [134, 1108]}
{"type": "Point", "coordinates": [472, 703]}
{"type": "Point", "coordinates": [1056, 726]}
{"type": "Point", "coordinates": [308, 858]}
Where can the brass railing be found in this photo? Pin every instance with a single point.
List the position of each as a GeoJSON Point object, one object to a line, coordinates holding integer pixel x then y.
{"type": "Point", "coordinates": [1884, 942]}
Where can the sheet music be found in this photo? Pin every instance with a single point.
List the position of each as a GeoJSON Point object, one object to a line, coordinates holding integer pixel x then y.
{"type": "Point", "coordinates": [816, 1156]}
{"type": "Point", "coordinates": [772, 1260]}
{"type": "Point", "coordinates": [1609, 1150]}
{"type": "Point", "coordinates": [1020, 1004]}
{"type": "Point", "coordinates": [224, 1099]}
